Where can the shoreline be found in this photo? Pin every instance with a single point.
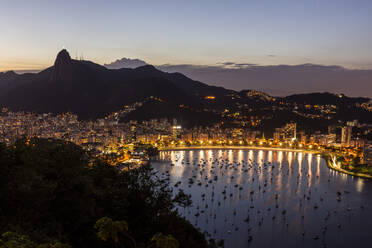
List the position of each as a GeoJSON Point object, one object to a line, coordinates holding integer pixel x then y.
{"type": "Point", "coordinates": [235, 148]}
{"type": "Point", "coordinates": [327, 160]}
{"type": "Point", "coordinates": [350, 173]}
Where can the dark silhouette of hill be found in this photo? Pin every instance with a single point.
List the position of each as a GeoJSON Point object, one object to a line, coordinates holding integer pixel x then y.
{"type": "Point", "coordinates": [91, 90]}
{"type": "Point", "coordinates": [187, 117]}
{"type": "Point", "coordinates": [323, 99]}
{"type": "Point", "coordinates": [346, 106]}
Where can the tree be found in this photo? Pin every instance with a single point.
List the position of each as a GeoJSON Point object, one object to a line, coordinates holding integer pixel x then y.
{"type": "Point", "coordinates": [160, 240]}
{"type": "Point", "coordinates": [53, 190]}
{"type": "Point", "coordinates": [15, 240]}
{"type": "Point", "coordinates": [152, 151]}
{"type": "Point", "coordinates": [355, 161]}
{"type": "Point", "coordinates": [111, 230]}
{"type": "Point", "coordinates": [182, 199]}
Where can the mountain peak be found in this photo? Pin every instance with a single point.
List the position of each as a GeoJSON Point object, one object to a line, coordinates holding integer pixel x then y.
{"type": "Point", "coordinates": [10, 73]}
{"type": "Point", "coordinates": [62, 65]}
{"type": "Point", "coordinates": [63, 57]}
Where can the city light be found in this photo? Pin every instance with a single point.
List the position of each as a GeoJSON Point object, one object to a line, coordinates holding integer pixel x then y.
{"type": "Point", "coordinates": [210, 97]}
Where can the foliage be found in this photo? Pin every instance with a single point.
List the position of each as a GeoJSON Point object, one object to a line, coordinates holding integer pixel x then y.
{"type": "Point", "coordinates": [53, 190]}
{"type": "Point", "coordinates": [150, 150]}
{"type": "Point", "coordinates": [363, 169]}
{"type": "Point", "coordinates": [15, 240]}
{"type": "Point", "coordinates": [109, 229]}
{"type": "Point", "coordinates": [160, 240]}
{"type": "Point", "coordinates": [183, 199]}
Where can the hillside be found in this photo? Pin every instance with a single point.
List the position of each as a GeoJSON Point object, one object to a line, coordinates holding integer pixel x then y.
{"type": "Point", "coordinates": [91, 90]}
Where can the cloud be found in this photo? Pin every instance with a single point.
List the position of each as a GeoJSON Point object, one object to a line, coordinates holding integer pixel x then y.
{"type": "Point", "coordinates": [228, 63]}
{"type": "Point", "coordinates": [125, 63]}
{"type": "Point", "coordinates": [245, 64]}
{"type": "Point", "coordinates": [236, 65]}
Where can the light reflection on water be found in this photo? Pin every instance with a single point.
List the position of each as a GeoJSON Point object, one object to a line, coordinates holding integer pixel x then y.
{"type": "Point", "coordinates": [305, 213]}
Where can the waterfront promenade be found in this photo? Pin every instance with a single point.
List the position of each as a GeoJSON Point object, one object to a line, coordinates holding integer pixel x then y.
{"type": "Point", "coordinates": [329, 160]}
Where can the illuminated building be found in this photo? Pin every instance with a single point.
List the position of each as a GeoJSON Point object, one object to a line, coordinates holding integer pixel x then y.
{"type": "Point", "coordinates": [346, 135]}
{"type": "Point", "coordinates": [176, 132]}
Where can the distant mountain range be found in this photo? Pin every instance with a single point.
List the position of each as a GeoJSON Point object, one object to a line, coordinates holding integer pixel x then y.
{"type": "Point", "coordinates": [278, 80]}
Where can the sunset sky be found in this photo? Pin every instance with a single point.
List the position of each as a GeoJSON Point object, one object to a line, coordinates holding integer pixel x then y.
{"type": "Point", "coordinates": [331, 32]}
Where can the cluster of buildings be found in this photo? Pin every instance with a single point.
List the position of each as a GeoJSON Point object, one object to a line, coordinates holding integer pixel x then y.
{"type": "Point", "coordinates": [332, 138]}
{"type": "Point", "coordinates": [109, 136]}
{"type": "Point", "coordinates": [14, 125]}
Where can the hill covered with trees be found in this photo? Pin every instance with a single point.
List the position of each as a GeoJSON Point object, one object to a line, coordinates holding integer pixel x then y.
{"type": "Point", "coordinates": [54, 194]}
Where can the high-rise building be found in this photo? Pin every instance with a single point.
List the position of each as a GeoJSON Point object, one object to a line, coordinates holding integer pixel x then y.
{"type": "Point", "coordinates": [290, 131]}
{"type": "Point", "coordinates": [176, 132]}
{"type": "Point", "coordinates": [277, 134]}
{"type": "Point", "coordinates": [331, 129]}
{"type": "Point", "coordinates": [346, 135]}
{"type": "Point", "coordinates": [302, 136]}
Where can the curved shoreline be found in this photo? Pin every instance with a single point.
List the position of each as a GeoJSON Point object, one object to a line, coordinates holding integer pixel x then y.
{"type": "Point", "coordinates": [328, 161]}
{"type": "Point", "coordinates": [178, 148]}
{"type": "Point", "coordinates": [361, 175]}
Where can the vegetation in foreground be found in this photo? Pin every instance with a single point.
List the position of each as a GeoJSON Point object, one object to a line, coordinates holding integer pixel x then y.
{"type": "Point", "coordinates": [52, 194]}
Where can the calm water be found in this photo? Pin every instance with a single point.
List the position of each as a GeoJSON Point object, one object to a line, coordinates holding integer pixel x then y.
{"type": "Point", "coordinates": [258, 198]}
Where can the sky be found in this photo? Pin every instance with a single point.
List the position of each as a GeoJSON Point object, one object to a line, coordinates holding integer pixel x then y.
{"type": "Point", "coordinates": [265, 32]}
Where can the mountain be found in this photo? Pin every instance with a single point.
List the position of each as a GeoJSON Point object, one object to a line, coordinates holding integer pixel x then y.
{"type": "Point", "coordinates": [325, 98]}
{"type": "Point", "coordinates": [125, 63]}
{"type": "Point", "coordinates": [280, 80]}
{"type": "Point", "coordinates": [91, 90]}
{"type": "Point", "coordinates": [276, 80]}
{"type": "Point", "coordinates": [6, 77]}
